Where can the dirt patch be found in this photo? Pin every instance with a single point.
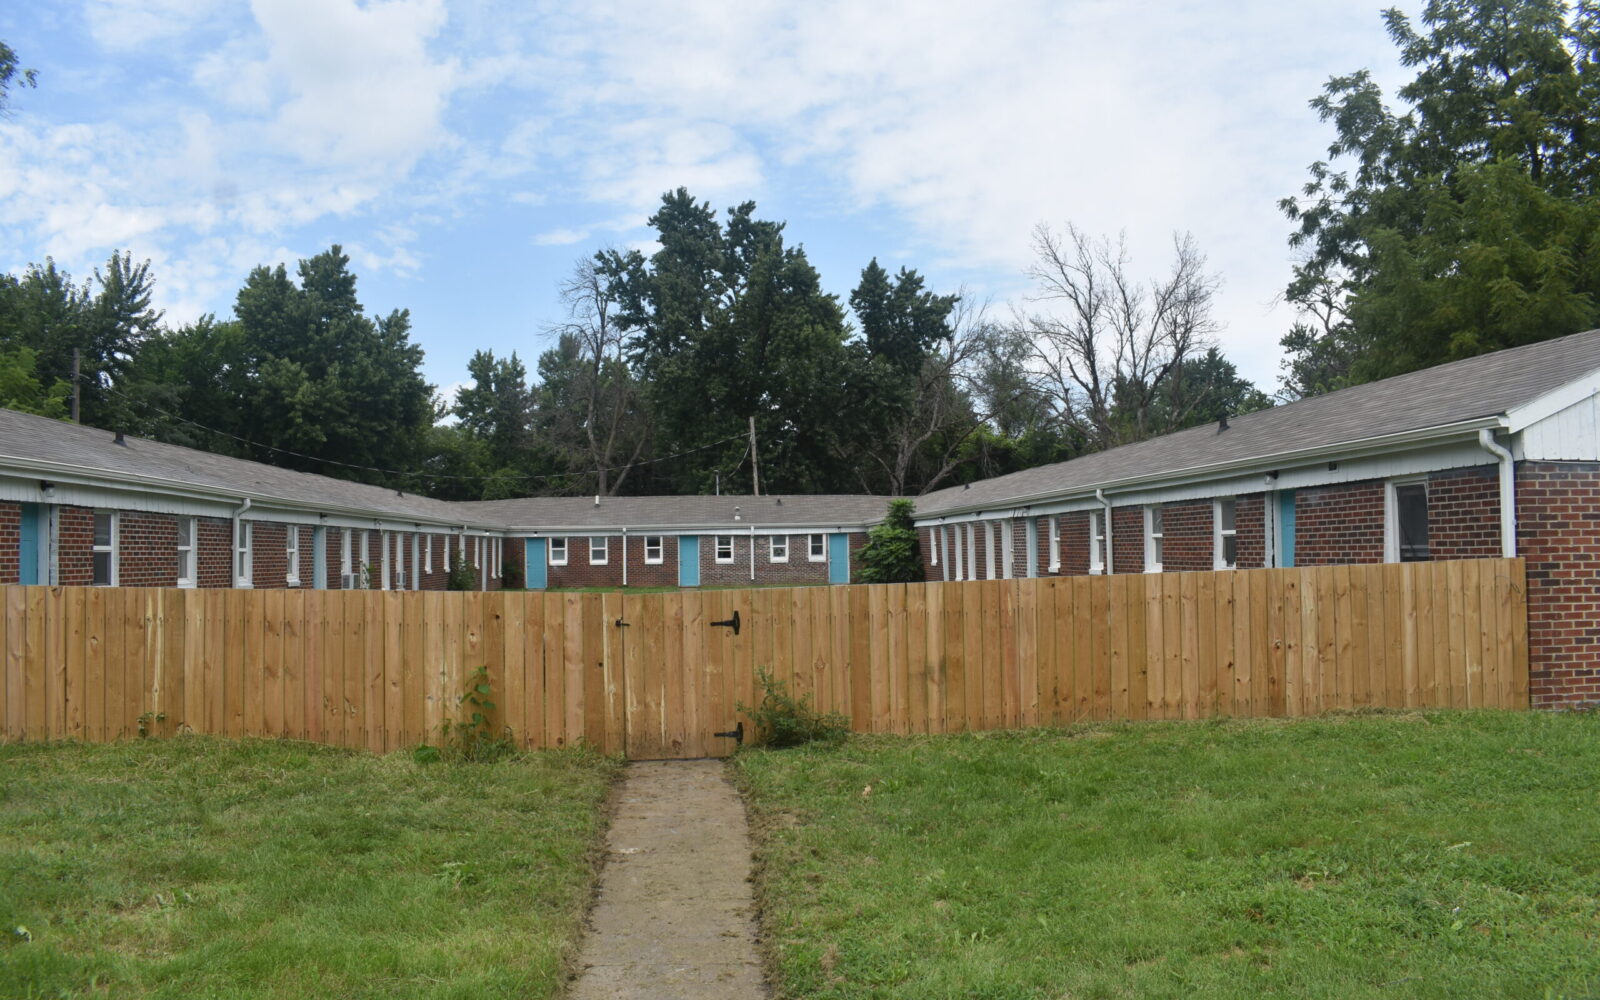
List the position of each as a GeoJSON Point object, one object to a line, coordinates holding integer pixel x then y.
{"type": "Point", "coordinates": [674, 916]}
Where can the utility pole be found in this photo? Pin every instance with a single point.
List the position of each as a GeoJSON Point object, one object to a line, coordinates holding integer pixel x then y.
{"type": "Point", "coordinates": [77, 385]}
{"type": "Point", "coordinates": [755, 463]}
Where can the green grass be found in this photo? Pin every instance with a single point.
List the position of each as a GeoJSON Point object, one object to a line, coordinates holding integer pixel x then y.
{"type": "Point", "coordinates": [1418, 855]}
{"type": "Point", "coordinates": [203, 868]}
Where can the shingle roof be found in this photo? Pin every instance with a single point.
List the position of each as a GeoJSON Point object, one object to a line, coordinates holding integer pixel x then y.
{"type": "Point", "coordinates": [1460, 391]}
{"type": "Point", "coordinates": [683, 512]}
{"type": "Point", "coordinates": [93, 450]}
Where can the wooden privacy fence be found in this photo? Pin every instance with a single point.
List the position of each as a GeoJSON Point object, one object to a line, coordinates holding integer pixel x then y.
{"type": "Point", "coordinates": [657, 675]}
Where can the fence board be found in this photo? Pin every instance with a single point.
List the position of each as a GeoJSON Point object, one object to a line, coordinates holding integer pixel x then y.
{"type": "Point", "coordinates": [385, 670]}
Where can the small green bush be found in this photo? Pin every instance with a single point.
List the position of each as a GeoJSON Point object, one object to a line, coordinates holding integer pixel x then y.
{"type": "Point", "coordinates": [782, 720]}
{"type": "Point", "coordinates": [893, 553]}
{"type": "Point", "coordinates": [462, 576]}
{"type": "Point", "coordinates": [470, 739]}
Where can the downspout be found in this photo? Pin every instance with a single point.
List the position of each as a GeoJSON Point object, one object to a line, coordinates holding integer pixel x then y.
{"type": "Point", "coordinates": [1100, 495]}
{"type": "Point", "coordinates": [624, 557]}
{"type": "Point", "coordinates": [236, 567]}
{"type": "Point", "coordinates": [1508, 491]}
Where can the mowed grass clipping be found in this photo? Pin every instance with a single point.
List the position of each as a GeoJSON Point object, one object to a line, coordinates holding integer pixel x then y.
{"type": "Point", "coordinates": [1417, 855]}
{"type": "Point", "coordinates": [203, 868]}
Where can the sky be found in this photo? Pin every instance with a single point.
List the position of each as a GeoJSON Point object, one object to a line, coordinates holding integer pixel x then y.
{"type": "Point", "coordinates": [466, 154]}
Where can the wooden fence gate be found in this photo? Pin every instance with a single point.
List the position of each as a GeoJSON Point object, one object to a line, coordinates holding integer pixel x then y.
{"type": "Point", "coordinates": [659, 675]}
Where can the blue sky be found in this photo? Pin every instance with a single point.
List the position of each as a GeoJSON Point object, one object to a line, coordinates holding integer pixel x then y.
{"type": "Point", "coordinates": [465, 154]}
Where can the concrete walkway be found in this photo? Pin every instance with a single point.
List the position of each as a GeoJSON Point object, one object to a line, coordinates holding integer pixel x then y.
{"type": "Point", "coordinates": [675, 915]}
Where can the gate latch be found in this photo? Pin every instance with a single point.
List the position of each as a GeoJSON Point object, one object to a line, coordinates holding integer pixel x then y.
{"type": "Point", "coordinates": [736, 734]}
{"type": "Point", "coordinates": [732, 623]}
{"type": "Point", "coordinates": [621, 624]}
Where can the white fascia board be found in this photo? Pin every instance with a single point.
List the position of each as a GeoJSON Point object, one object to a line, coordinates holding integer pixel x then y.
{"type": "Point", "coordinates": [738, 528]}
{"type": "Point", "coordinates": [1433, 449]}
{"type": "Point", "coordinates": [1552, 402]}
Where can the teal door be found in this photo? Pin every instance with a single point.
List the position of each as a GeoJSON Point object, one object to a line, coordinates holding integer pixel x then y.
{"type": "Point", "coordinates": [688, 560]}
{"type": "Point", "coordinates": [537, 572]}
{"type": "Point", "coordinates": [32, 532]}
{"type": "Point", "coordinates": [1286, 528]}
{"type": "Point", "coordinates": [838, 558]}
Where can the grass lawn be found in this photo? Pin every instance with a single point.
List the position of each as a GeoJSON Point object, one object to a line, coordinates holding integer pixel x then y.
{"type": "Point", "coordinates": [203, 868]}
{"type": "Point", "coordinates": [1416, 855]}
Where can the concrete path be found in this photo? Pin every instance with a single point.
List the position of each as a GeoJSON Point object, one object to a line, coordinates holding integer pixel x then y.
{"type": "Point", "coordinates": [675, 915]}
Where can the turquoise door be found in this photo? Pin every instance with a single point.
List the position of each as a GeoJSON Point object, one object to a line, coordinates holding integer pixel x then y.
{"type": "Point", "coordinates": [537, 572]}
{"type": "Point", "coordinates": [1286, 528]}
{"type": "Point", "coordinates": [32, 531]}
{"type": "Point", "coordinates": [838, 558]}
{"type": "Point", "coordinates": [688, 560]}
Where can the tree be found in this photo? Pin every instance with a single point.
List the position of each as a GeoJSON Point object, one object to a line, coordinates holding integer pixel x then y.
{"type": "Point", "coordinates": [893, 553]}
{"type": "Point", "coordinates": [21, 388]}
{"type": "Point", "coordinates": [1110, 351]}
{"type": "Point", "coordinates": [12, 75]}
{"type": "Point", "coordinates": [1479, 174]}
{"type": "Point", "coordinates": [592, 410]}
{"type": "Point", "coordinates": [497, 406]}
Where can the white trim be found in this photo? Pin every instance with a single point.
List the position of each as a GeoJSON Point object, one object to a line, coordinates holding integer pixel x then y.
{"type": "Point", "coordinates": [291, 555]}
{"type": "Point", "coordinates": [400, 562]}
{"type": "Point", "coordinates": [1055, 543]}
{"type": "Point", "coordinates": [562, 560]}
{"type": "Point", "coordinates": [816, 547]}
{"type": "Point", "coordinates": [495, 557]}
{"type": "Point", "coordinates": [109, 549]}
{"type": "Point", "coordinates": [1553, 402]}
{"type": "Point", "coordinates": [660, 547]}
{"type": "Point", "coordinates": [188, 555]}
{"type": "Point", "coordinates": [346, 542]}
{"type": "Point", "coordinates": [773, 544]}
{"type": "Point", "coordinates": [716, 543]}
{"type": "Point", "coordinates": [604, 549]}
{"type": "Point", "coordinates": [1153, 513]}
{"type": "Point", "coordinates": [416, 560]}
{"type": "Point", "coordinates": [1097, 542]}
{"type": "Point", "coordinates": [972, 550]}
{"type": "Point", "coordinates": [427, 552]}
{"type": "Point", "coordinates": [990, 543]}
{"type": "Point", "coordinates": [1008, 547]}
{"type": "Point", "coordinates": [1219, 534]}
{"type": "Point", "coordinates": [244, 554]}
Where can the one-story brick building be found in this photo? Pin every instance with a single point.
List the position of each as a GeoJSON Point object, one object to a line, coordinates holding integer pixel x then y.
{"type": "Point", "coordinates": [1497, 455]}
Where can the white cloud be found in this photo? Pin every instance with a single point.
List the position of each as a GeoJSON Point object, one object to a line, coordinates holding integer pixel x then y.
{"type": "Point", "coordinates": [560, 237]}
{"type": "Point", "coordinates": [132, 24]}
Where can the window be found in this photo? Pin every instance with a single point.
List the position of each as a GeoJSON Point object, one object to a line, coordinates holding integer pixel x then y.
{"type": "Point", "coordinates": [494, 558]}
{"type": "Point", "coordinates": [599, 551]}
{"type": "Point", "coordinates": [558, 551]}
{"type": "Point", "coordinates": [105, 549]}
{"type": "Point", "coordinates": [778, 547]}
{"type": "Point", "coordinates": [242, 554]}
{"type": "Point", "coordinates": [1225, 540]}
{"type": "Point", "coordinates": [400, 562]}
{"type": "Point", "coordinates": [1097, 541]}
{"type": "Point", "coordinates": [1153, 537]}
{"type": "Point", "coordinates": [1055, 544]}
{"type": "Point", "coordinates": [344, 558]}
{"type": "Point", "coordinates": [724, 548]}
{"type": "Point", "coordinates": [819, 548]}
{"type": "Point", "coordinates": [291, 554]}
{"type": "Point", "coordinates": [427, 554]}
{"type": "Point", "coordinates": [186, 558]}
{"type": "Point", "coordinates": [652, 550]}
{"type": "Point", "coordinates": [1406, 533]}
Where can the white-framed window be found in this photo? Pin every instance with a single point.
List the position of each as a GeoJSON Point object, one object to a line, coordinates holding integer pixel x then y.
{"type": "Point", "coordinates": [991, 543]}
{"type": "Point", "coordinates": [1154, 536]}
{"type": "Point", "coordinates": [291, 555]}
{"type": "Point", "coordinates": [186, 552]}
{"type": "Point", "coordinates": [599, 550]}
{"type": "Point", "coordinates": [1055, 544]}
{"type": "Point", "coordinates": [558, 551]}
{"type": "Point", "coordinates": [724, 548]}
{"type": "Point", "coordinates": [494, 558]}
{"type": "Point", "coordinates": [244, 554]}
{"type": "Point", "coordinates": [654, 552]}
{"type": "Point", "coordinates": [818, 548]}
{"type": "Point", "coordinates": [1097, 542]}
{"type": "Point", "coordinates": [1225, 534]}
{"type": "Point", "coordinates": [427, 554]}
{"type": "Point", "coordinates": [346, 540]}
{"type": "Point", "coordinates": [104, 571]}
{"type": "Point", "coordinates": [778, 548]}
{"type": "Point", "coordinates": [400, 562]}
{"type": "Point", "coordinates": [1405, 521]}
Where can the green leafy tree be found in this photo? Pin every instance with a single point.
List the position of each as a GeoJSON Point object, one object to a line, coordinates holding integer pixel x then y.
{"type": "Point", "coordinates": [1455, 224]}
{"type": "Point", "coordinates": [12, 74]}
{"type": "Point", "coordinates": [498, 406]}
{"type": "Point", "coordinates": [893, 553]}
{"type": "Point", "coordinates": [21, 389]}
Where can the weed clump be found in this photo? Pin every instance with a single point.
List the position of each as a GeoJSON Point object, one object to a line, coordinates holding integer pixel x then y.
{"type": "Point", "coordinates": [782, 720]}
{"type": "Point", "coordinates": [470, 739]}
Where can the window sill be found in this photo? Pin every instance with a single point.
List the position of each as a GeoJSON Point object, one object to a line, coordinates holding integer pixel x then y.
{"type": "Point", "coordinates": [776, 559]}
{"type": "Point", "coordinates": [654, 562]}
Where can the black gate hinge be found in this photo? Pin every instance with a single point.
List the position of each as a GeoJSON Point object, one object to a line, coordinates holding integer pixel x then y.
{"type": "Point", "coordinates": [736, 734]}
{"type": "Point", "coordinates": [732, 623]}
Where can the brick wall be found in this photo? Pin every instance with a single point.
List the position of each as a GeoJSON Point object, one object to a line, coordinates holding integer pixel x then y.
{"type": "Point", "coordinates": [1558, 514]}
{"type": "Point", "coordinates": [1187, 544]}
{"type": "Point", "coordinates": [1127, 539]}
{"type": "Point", "coordinates": [75, 546]}
{"type": "Point", "coordinates": [799, 570]}
{"type": "Point", "coordinates": [10, 542]}
{"type": "Point", "coordinates": [1250, 521]}
{"type": "Point", "coordinates": [1339, 524]}
{"type": "Point", "coordinates": [1464, 513]}
{"type": "Point", "coordinates": [147, 550]}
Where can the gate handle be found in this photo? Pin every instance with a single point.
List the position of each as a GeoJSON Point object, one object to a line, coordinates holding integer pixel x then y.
{"type": "Point", "coordinates": [732, 623]}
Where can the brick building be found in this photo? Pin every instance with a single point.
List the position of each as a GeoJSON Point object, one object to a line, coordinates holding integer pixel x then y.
{"type": "Point", "coordinates": [1492, 456]}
